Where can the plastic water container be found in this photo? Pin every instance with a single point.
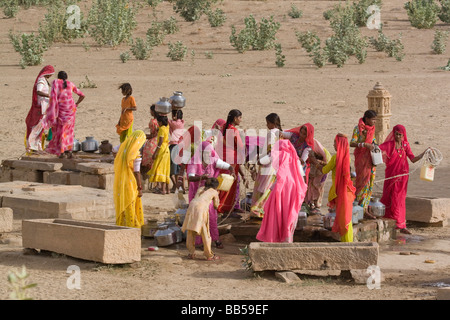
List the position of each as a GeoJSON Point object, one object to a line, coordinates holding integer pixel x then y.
{"type": "Point", "coordinates": [427, 172]}
{"type": "Point", "coordinates": [377, 157]}
{"type": "Point", "coordinates": [225, 182]}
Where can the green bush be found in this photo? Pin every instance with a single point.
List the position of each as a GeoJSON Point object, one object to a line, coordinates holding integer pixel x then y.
{"type": "Point", "coordinates": [216, 18]}
{"type": "Point", "coordinates": [255, 36]}
{"type": "Point", "coordinates": [170, 25]}
{"type": "Point", "coordinates": [154, 3]}
{"type": "Point", "coordinates": [309, 40]}
{"type": "Point", "coordinates": [10, 8]}
{"type": "Point", "coordinates": [125, 56]}
{"type": "Point", "coordinates": [279, 56]}
{"type": "Point", "coordinates": [192, 10]}
{"type": "Point", "coordinates": [439, 43]}
{"type": "Point", "coordinates": [111, 22]}
{"type": "Point", "coordinates": [141, 49]}
{"type": "Point", "coordinates": [394, 48]}
{"type": "Point", "coordinates": [360, 14]}
{"type": "Point", "coordinates": [295, 13]}
{"type": "Point", "coordinates": [444, 14]}
{"type": "Point", "coordinates": [54, 26]}
{"type": "Point", "coordinates": [30, 46]}
{"type": "Point", "coordinates": [177, 51]}
{"type": "Point", "coordinates": [422, 14]}
{"type": "Point", "coordinates": [156, 34]}
{"type": "Point", "coordinates": [447, 67]}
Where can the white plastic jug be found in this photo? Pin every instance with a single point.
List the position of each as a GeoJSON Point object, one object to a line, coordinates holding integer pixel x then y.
{"type": "Point", "coordinates": [377, 157]}
{"type": "Point", "coordinates": [427, 172]}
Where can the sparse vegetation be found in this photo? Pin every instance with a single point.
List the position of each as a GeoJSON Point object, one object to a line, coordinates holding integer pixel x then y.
{"type": "Point", "coordinates": [280, 58]}
{"type": "Point", "coordinates": [141, 49]}
{"type": "Point", "coordinates": [170, 26]}
{"type": "Point", "coordinates": [422, 14]}
{"type": "Point", "coordinates": [255, 36]}
{"type": "Point", "coordinates": [156, 34]}
{"type": "Point", "coordinates": [444, 14]}
{"type": "Point", "coordinates": [294, 12]}
{"type": "Point", "coordinates": [125, 56]}
{"type": "Point", "coordinates": [394, 48]}
{"type": "Point", "coordinates": [177, 51]}
{"type": "Point", "coordinates": [216, 18]}
{"type": "Point", "coordinates": [192, 10]}
{"type": "Point", "coordinates": [447, 67]}
{"type": "Point", "coordinates": [19, 284]}
{"type": "Point", "coordinates": [30, 46]}
{"type": "Point", "coordinates": [112, 23]}
{"type": "Point", "coordinates": [439, 43]}
{"type": "Point", "coordinates": [87, 83]}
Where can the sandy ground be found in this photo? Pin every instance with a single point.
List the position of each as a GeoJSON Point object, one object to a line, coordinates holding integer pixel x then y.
{"type": "Point", "coordinates": [332, 99]}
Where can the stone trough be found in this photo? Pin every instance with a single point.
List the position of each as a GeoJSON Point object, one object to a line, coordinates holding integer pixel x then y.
{"type": "Point", "coordinates": [313, 256]}
{"type": "Point", "coordinates": [104, 243]}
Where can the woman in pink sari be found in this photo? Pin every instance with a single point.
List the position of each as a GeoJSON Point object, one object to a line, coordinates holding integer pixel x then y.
{"type": "Point", "coordinates": [150, 145]}
{"type": "Point", "coordinates": [363, 140]}
{"type": "Point", "coordinates": [396, 151]}
{"type": "Point", "coordinates": [287, 195]}
{"type": "Point", "coordinates": [206, 164]}
{"type": "Point", "coordinates": [36, 116]}
{"type": "Point", "coordinates": [61, 115]}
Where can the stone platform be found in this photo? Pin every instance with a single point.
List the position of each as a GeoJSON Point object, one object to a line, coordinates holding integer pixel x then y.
{"type": "Point", "coordinates": [32, 200]}
{"type": "Point", "coordinates": [91, 170]}
{"type": "Point", "coordinates": [379, 230]}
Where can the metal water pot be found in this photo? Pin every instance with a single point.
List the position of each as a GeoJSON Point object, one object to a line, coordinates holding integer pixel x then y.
{"type": "Point", "coordinates": [301, 222]}
{"type": "Point", "coordinates": [163, 106]}
{"type": "Point", "coordinates": [357, 213]}
{"type": "Point", "coordinates": [89, 145]}
{"type": "Point", "coordinates": [328, 220]}
{"type": "Point", "coordinates": [164, 236]}
{"type": "Point", "coordinates": [177, 100]}
{"type": "Point", "coordinates": [76, 145]}
{"type": "Point", "coordinates": [376, 207]}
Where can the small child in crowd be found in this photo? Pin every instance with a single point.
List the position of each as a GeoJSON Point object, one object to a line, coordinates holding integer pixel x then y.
{"type": "Point", "coordinates": [176, 130]}
{"type": "Point", "coordinates": [196, 221]}
{"type": "Point", "coordinates": [125, 125]}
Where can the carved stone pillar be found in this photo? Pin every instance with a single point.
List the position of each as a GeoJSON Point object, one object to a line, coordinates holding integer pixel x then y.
{"type": "Point", "coordinates": [379, 100]}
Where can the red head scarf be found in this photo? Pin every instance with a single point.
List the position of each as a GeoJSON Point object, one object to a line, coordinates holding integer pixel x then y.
{"type": "Point", "coordinates": [397, 128]}
{"type": "Point", "coordinates": [219, 123]}
{"type": "Point", "coordinates": [370, 130]}
{"type": "Point", "coordinates": [345, 190]}
{"type": "Point", "coordinates": [34, 115]}
{"type": "Point", "coordinates": [309, 134]}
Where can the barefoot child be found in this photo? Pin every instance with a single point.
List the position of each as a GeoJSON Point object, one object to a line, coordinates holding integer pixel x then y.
{"type": "Point", "coordinates": [197, 218]}
{"type": "Point", "coordinates": [125, 125]}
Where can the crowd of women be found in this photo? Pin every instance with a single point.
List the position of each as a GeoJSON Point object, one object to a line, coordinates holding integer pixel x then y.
{"type": "Point", "coordinates": [289, 167]}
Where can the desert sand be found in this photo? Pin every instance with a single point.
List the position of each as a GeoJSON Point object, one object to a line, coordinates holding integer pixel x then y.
{"type": "Point", "coordinates": [330, 98]}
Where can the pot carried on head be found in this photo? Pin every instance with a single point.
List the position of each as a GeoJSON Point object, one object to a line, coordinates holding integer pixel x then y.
{"type": "Point", "coordinates": [177, 100]}
{"type": "Point", "coordinates": [163, 106]}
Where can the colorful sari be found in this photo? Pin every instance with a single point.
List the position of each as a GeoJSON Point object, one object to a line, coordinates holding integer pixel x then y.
{"type": "Point", "coordinates": [35, 118]}
{"type": "Point", "coordinates": [365, 170]}
{"type": "Point", "coordinates": [342, 191]}
{"type": "Point", "coordinates": [160, 170]}
{"type": "Point", "coordinates": [395, 190]}
{"type": "Point", "coordinates": [150, 145]}
{"type": "Point", "coordinates": [128, 204]}
{"type": "Point", "coordinates": [61, 116]}
{"type": "Point", "coordinates": [304, 147]}
{"type": "Point", "coordinates": [265, 178]}
{"type": "Point", "coordinates": [196, 167]}
{"type": "Point", "coordinates": [287, 195]}
{"type": "Point", "coordinates": [232, 152]}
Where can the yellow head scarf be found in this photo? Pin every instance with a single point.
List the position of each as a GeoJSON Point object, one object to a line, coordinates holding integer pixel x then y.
{"type": "Point", "coordinates": [125, 185]}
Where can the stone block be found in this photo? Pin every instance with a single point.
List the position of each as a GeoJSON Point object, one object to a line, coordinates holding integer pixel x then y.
{"type": "Point", "coordinates": [5, 174]}
{"type": "Point", "coordinates": [32, 165]}
{"type": "Point", "coordinates": [6, 220]}
{"type": "Point", "coordinates": [104, 243]}
{"type": "Point", "coordinates": [27, 175]}
{"type": "Point", "coordinates": [95, 167]}
{"type": "Point", "coordinates": [62, 177]}
{"type": "Point", "coordinates": [103, 181]}
{"type": "Point", "coordinates": [312, 256]}
{"type": "Point", "coordinates": [287, 276]}
{"type": "Point", "coordinates": [443, 293]}
{"type": "Point", "coordinates": [428, 210]}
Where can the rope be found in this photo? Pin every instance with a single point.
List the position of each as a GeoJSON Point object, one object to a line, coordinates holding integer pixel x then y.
{"type": "Point", "coordinates": [432, 157]}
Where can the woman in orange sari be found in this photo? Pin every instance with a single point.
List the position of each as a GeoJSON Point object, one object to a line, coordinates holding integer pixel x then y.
{"type": "Point", "coordinates": [342, 191]}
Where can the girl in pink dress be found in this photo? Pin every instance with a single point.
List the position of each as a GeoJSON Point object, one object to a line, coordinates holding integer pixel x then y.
{"type": "Point", "coordinates": [396, 151]}
{"type": "Point", "coordinates": [61, 115]}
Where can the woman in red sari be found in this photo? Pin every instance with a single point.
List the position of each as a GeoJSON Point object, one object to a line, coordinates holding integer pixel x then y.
{"type": "Point", "coordinates": [396, 151]}
{"type": "Point", "coordinates": [61, 115]}
{"type": "Point", "coordinates": [363, 140]}
{"type": "Point", "coordinates": [342, 191]}
{"type": "Point", "coordinates": [234, 154]}
{"type": "Point", "coordinates": [39, 104]}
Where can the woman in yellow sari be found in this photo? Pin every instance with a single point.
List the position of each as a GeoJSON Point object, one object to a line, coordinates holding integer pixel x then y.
{"type": "Point", "coordinates": [127, 182]}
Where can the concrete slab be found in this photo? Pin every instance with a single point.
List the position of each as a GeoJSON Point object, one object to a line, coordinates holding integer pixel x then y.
{"type": "Point", "coordinates": [32, 165]}
{"type": "Point", "coordinates": [6, 220]}
{"type": "Point", "coordinates": [43, 201]}
{"type": "Point", "coordinates": [428, 210]}
{"type": "Point", "coordinates": [312, 256]}
{"type": "Point", "coordinates": [105, 243]}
